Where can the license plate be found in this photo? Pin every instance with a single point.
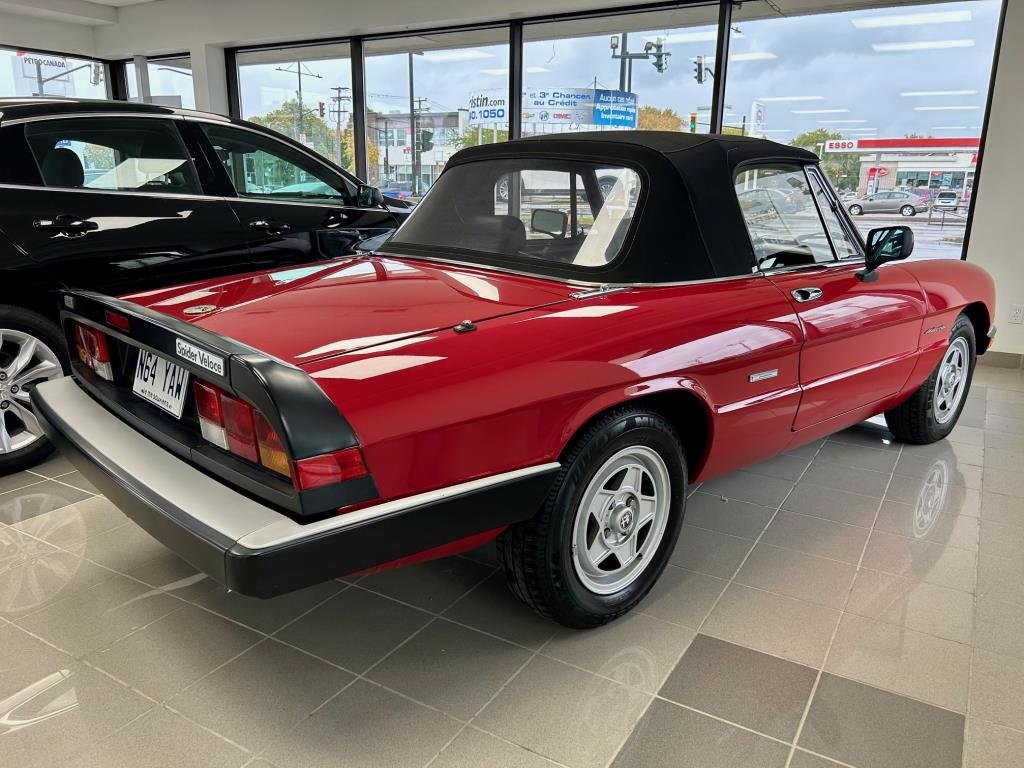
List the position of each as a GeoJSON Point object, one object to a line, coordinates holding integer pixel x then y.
{"type": "Point", "coordinates": [161, 383]}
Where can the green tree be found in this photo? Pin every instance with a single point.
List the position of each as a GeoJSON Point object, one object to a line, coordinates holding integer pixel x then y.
{"type": "Point", "coordinates": [842, 168]}
{"type": "Point", "coordinates": [320, 136]}
{"type": "Point", "coordinates": [476, 135]}
{"type": "Point", "coordinates": [656, 119]}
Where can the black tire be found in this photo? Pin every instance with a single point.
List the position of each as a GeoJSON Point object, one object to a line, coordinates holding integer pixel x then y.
{"type": "Point", "coordinates": [36, 325]}
{"type": "Point", "coordinates": [908, 210]}
{"type": "Point", "coordinates": [856, 210]}
{"type": "Point", "coordinates": [914, 420]}
{"type": "Point", "coordinates": [537, 554]}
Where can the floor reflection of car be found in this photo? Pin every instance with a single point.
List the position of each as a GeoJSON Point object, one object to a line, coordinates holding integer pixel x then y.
{"type": "Point", "coordinates": [117, 197]}
{"type": "Point", "coordinates": [889, 201]}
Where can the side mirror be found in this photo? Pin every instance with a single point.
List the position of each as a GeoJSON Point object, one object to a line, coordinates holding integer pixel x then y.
{"type": "Point", "coordinates": [549, 222]}
{"type": "Point", "coordinates": [886, 244]}
{"type": "Point", "coordinates": [369, 197]}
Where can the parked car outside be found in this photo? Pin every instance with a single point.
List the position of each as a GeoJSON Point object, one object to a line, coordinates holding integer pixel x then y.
{"type": "Point", "coordinates": [121, 197]}
{"type": "Point", "coordinates": [888, 201]}
{"type": "Point", "coordinates": [501, 373]}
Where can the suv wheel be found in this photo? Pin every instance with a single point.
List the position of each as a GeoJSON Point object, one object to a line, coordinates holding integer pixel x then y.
{"type": "Point", "coordinates": [31, 352]}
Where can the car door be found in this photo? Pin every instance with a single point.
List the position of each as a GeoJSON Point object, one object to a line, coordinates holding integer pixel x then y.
{"type": "Point", "coordinates": [860, 337]}
{"type": "Point", "coordinates": [113, 203]}
{"type": "Point", "coordinates": [296, 207]}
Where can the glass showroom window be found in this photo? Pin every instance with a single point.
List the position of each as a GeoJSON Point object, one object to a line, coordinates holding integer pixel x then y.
{"type": "Point", "coordinates": [170, 82]}
{"type": "Point", "coordinates": [428, 97]}
{"type": "Point", "coordinates": [305, 93]}
{"type": "Point", "coordinates": [27, 73]}
{"type": "Point", "coordinates": [892, 99]}
{"type": "Point", "coordinates": [614, 72]}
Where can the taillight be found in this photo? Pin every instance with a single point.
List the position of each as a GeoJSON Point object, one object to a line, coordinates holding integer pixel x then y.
{"type": "Point", "coordinates": [211, 417]}
{"type": "Point", "coordinates": [237, 427]}
{"type": "Point", "coordinates": [328, 469]}
{"type": "Point", "coordinates": [272, 453]}
{"type": "Point", "coordinates": [93, 351]}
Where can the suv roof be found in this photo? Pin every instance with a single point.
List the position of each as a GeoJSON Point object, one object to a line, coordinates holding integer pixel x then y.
{"type": "Point", "coordinates": [28, 107]}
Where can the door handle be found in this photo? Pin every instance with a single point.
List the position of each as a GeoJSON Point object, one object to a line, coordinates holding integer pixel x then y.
{"type": "Point", "coordinates": [804, 295]}
{"type": "Point", "coordinates": [269, 225]}
{"type": "Point", "coordinates": [66, 224]}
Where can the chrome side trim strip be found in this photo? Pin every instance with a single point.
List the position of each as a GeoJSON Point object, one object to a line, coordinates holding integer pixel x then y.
{"type": "Point", "coordinates": [286, 531]}
{"type": "Point", "coordinates": [133, 193]}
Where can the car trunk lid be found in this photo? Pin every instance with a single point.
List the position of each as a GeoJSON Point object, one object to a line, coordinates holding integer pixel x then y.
{"type": "Point", "coordinates": [306, 313]}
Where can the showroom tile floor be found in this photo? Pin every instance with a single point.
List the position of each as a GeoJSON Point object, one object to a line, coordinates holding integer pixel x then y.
{"type": "Point", "coordinates": [854, 603]}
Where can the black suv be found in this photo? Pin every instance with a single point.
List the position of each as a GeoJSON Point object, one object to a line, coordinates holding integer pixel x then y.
{"type": "Point", "coordinates": [120, 197]}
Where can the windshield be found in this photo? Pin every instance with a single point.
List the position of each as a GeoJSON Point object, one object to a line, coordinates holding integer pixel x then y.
{"type": "Point", "coordinates": [526, 209]}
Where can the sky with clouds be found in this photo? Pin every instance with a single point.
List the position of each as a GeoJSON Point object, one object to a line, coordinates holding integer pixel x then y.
{"type": "Point", "coordinates": [882, 72]}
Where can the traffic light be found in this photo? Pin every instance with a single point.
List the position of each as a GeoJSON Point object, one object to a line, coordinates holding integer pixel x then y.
{"type": "Point", "coordinates": [698, 70]}
{"type": "Point", "coordinates": [426, 140]}
{"type": "Point", "coordinates": [693, 122]}
{"type": "Point", "coordinates": [322, 109]}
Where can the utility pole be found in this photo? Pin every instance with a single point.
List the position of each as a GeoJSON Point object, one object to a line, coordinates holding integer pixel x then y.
{"type": "Point", "coordinates": [338, 99]}
{"type": "Point", "coordinates": [412, 131]}
{"type": "Point", "coordinates": [298, 71]}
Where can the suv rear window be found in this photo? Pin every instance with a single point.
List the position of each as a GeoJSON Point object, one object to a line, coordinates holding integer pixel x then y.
{"type": "Point", "coordinates": [118, 154]}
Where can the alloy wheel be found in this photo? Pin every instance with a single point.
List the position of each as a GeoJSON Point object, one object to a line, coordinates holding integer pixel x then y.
{"type": "Point", "coordinates": [952, 381]}
{"type": "Point", "coordinates": [621, 520]}
{"type": "Point", "coordinates": [25, 361]}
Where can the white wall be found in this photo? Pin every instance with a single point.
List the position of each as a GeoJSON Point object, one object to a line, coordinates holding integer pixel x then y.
{"type": "Point", "coordinates": [17, 31]}
{"type": "Point", "coordinates": [996, 231]}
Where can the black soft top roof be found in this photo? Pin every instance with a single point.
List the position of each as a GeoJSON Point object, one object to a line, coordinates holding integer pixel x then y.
{"type": "Point", "coordinates": [689, 225]}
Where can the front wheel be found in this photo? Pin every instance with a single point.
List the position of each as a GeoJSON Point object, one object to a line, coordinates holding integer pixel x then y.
{"type": "Point", "coordinates": [31, 352]}
{"type": "Point", "coordinates": [856, 210]}
{"type": "Point", "coordinates": [609, 525]}
{"type": "Point", "coordinates": [908, 210]}
{"type": "Point", "coordinates": [932, 411]}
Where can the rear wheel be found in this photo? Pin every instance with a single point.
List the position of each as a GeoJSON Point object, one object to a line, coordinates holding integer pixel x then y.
{"type": "Point", "coordinates": [606, 531]}
{"type": "Point", "coordinates": [932, 411]}
{"type": "Point", "coordinates": [908, 210]}
{"type": "Point", "coordinates": [31, 352]}
{"type": "Point", "coordinates": [856, 210]}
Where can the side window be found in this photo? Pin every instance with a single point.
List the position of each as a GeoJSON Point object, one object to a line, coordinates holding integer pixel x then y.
{"type": "Point", "coordinates": [122, 154]}
{"type": "Point", "coordinates": [842, 241]}
{"type": "Point", "coordinates": [261, 167]}
{"type": "Point", "coordinates": [778, 207]}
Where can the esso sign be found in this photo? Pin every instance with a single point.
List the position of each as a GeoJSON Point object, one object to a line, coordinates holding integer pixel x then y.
{"type": "Point", "coordinates": [841, 145]}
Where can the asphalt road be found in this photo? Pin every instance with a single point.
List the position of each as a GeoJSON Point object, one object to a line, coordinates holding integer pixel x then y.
{"type": "Point", "coordinates": [932, 240]}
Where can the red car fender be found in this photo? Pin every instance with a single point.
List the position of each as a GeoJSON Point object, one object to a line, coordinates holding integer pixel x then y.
{"type": "Point", "coordinates": [606, 400]}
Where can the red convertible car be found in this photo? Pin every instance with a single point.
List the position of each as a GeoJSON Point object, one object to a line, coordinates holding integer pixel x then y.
{"type": "Point", "coordinates": [547, 369]}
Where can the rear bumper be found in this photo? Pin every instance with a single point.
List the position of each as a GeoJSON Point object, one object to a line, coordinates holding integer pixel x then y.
{"type": "Point", "coordinates": [250, 547]}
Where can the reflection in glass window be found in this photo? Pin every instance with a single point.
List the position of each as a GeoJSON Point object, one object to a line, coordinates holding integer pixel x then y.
{"type": "Point", "coordinates": [27, 73]}
{"type": "Point", "coordinates": [263, 167]}
{"type": "Point", "coordinates": [778, 207]}
{"type": "Point", "coordinates": [429, 96]}
{"type": "Point", "coordinates": [620, 72]}
{"type": "Point", "coordinates": [892, 99]}
{"type": "Point", "coordinates": [128, 154]}
{"type": "Point", "coordinates": [170, 83]}
{"type": "Point", "coordinates": [561, 213]}
{"type": "Point", "coordinates": [304, 93]}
